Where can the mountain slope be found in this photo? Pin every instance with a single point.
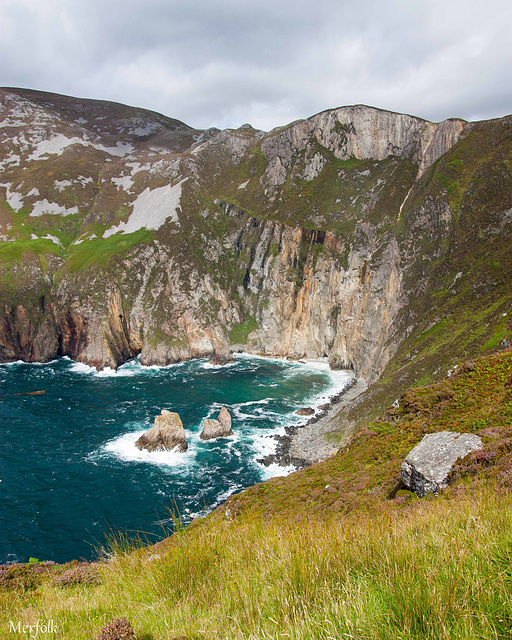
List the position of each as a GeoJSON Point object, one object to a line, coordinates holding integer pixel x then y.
{"type": "Point", "coordinates": [377, 239]}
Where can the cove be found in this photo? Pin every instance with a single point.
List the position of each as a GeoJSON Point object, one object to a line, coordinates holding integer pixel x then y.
{"type": "Point", "coordinates": [70, 474]}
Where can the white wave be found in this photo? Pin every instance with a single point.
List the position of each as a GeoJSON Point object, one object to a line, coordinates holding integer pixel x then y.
{"type": "Point", "coordinates": [275, 471]}
{"type": "Point", "coordinates": [80, 367]}
{"type": "Point", "coordinates": [339, 379]}
{"type": "Point", "coordinates": [128, 369]}
{"type": "Point", "coordinates": [123, 447]}
{"type": "Point", "coordinates": [264, 443]}
{"type": "Point", "coordinates": [28, 364]}
{"type": "Point", "coordinates": [121, 372]}
{"type": "Point", "coordinates": [247, 416]}
{"type": "Point", "coordinates": [251, 402]}
{"type": "Point", "coordinates": [222, 497]}
{"type": "Point", "coordinates": [244, 355]}
{"type": "Point", "coordinates": [12, 364]}
{"type": "Point", "coordinates": [206, 364]}
{"type": "Point", "coordinates": [157, 367]}
{"type": "Point", "coordinates": [240, 415]}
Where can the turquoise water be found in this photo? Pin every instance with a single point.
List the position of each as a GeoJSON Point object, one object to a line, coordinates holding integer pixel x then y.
{"type": "Point", "coordinates": [70, 474]}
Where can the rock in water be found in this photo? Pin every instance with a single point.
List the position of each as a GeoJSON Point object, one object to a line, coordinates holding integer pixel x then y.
{"type": "Point", "coordinates": [305, 411]}
{"type": "Point", "coordinates": [426, 467]}
{"type": "Point", "coordinates": [219, 428]}
{"type": "Point", "coordinates": [166, 434]}
{"type": "Point", "coordinates": [225, 420]}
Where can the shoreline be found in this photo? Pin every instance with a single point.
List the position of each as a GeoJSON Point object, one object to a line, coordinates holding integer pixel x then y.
{"type": "Point", "coordinates": [301, 445]}
{"type": "Point", "coordinates": [305, 444]}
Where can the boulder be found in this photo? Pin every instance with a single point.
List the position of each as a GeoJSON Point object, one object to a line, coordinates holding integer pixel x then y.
{"type": "Point", "coordinates": [305, 411]}
{"type": "Point", "coordinates": [219, 428]}
{"type": "Point", "coordinates": [166, 434]}
{"type": "Point", "coordinates": [427, 466]}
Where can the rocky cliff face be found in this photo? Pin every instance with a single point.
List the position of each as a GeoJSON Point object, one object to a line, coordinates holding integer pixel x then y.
{"type": "Point", "coordinates": [126, 233]}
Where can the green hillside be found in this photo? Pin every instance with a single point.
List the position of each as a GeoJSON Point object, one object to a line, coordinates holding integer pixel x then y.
{"type": "Point", "coordinates": [326, 552]}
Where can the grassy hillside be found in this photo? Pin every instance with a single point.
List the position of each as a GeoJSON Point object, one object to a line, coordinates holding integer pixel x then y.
{"type": "Point", "coordinates": [476, 398]}
{"type": "Point", "coordinates": [324, 553]}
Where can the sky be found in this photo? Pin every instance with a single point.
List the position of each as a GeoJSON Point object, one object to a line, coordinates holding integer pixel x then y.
{"type": "Point", "coordinates": [224, 63]}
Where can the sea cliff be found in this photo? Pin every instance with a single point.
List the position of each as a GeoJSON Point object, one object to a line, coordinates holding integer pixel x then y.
{"type": "Point", "coordinates": [344, 235]}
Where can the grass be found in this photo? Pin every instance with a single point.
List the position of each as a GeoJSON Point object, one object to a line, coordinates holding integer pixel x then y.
{"type": "Point", "coordinates": [11, 252]}
{"type": "Point", "coordinates": [437, 569]}
{"type": "Point", "coordinates": [239, 332]}
{"type": "Point", "coordinates": [98, 251]}
{"type": "Point", "coordinates": [324, 553]}
{"type": "Point", "coordinates": [364, 473]}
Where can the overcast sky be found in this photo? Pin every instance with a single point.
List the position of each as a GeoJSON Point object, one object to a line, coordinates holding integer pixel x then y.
{"type": "Point", "coordinates": [226, 62]}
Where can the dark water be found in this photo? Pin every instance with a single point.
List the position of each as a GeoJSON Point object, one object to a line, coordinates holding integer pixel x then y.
{"type": "Point", "coordinates": [70, 473]}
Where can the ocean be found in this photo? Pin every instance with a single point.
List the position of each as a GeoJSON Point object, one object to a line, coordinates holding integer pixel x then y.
{"type": "Point", "coordinates": [71, 477]}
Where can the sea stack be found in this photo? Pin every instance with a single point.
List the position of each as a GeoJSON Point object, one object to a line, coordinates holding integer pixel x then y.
{"type": "Point", "coordinates": [166, 434]}
{"type": "Point", "coordinates": [219, 428]}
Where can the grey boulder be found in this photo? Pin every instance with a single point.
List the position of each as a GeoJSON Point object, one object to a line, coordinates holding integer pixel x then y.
{"type": "Point", "coordinates": [427, 466]}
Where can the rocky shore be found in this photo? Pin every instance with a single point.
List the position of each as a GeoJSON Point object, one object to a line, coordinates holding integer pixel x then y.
{"type": "Point", "coordinates": [305, 444]}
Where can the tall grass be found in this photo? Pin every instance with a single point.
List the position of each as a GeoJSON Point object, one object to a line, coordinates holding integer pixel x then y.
{"type": "Point", "coordinates": [439, 568]}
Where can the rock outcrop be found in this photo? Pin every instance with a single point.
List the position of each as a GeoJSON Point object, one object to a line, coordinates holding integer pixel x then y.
{"type": "Point", "coordinates": [220, 428]}
{"type": "Point", "coordinates": [166, 434]}
{"type": "Point", "coordinates": [220, 359]}
{"type": "Point", "coordinates": [427, 466]}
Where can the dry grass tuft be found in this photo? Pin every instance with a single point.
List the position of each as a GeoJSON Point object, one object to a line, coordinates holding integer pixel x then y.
{"type": "Point", "coordinates": [118, 629]}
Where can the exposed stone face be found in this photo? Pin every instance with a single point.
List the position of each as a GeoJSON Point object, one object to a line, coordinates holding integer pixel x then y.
{"type": "Point", "coordinates": [345, 312]}
{"type": "Point", "coordinates": [166, 434]}
{"type": "Point", "coordinates": [312, 287]}
{"type": "Point", "coordinates": [219, 428]}
{"type": "Point", "coordinates": [364, 132]}
{"type": "Point", "coordinates": [221, 358]}
{"type": "Point", "coordinates": [427, 466]}
{"type": "Point", "coordinates": [225, 419]}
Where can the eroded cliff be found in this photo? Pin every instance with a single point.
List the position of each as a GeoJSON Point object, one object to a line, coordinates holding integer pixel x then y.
{"type": "Point", "coordinates": [128, 233]}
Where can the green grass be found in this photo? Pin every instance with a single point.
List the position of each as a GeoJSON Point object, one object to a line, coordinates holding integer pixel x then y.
{"type": "Point", "coordinates": [12, 251]}
{"type": "Point", "coordinates": [98, 251]}
{"type": "Point", "coordinates": [239, 332]}
{"type": "Point", "coordinates": [438, 569]}
{"type": "Point", "coordinates": [500, 331]}
{"type": "Point", "coordinates": [434, 330]}
{"type": "Point", "coordinates": [363, 474]}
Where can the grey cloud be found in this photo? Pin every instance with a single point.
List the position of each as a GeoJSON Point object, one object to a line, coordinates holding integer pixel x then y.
{"type": "Point", "coordinates": [225, 62]}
